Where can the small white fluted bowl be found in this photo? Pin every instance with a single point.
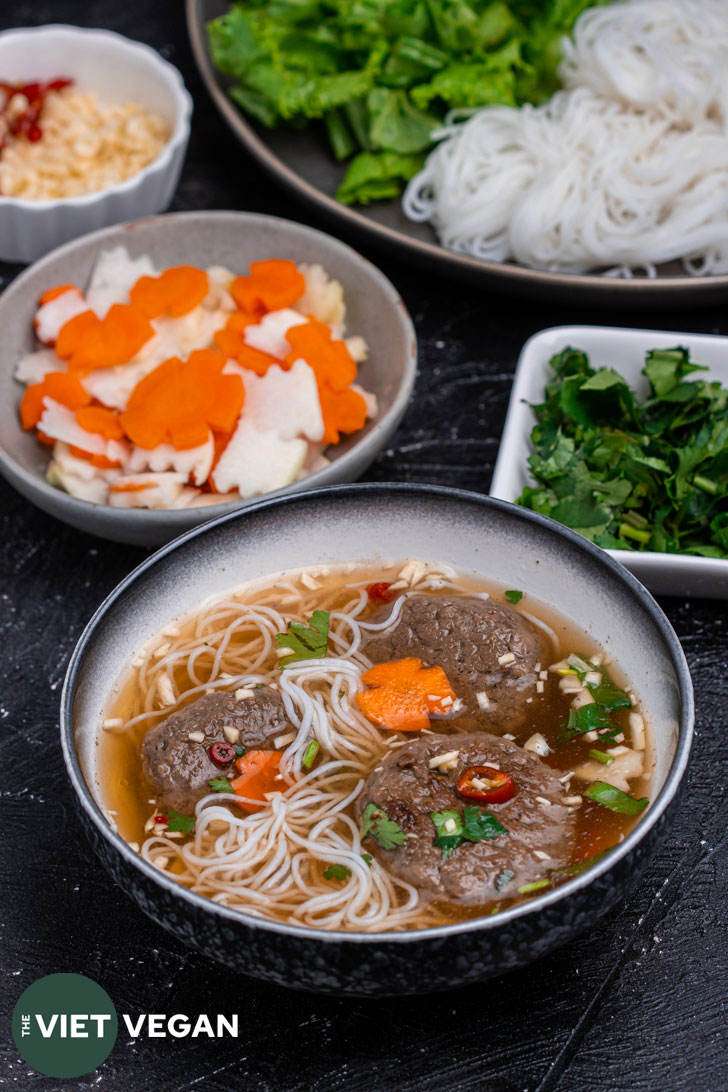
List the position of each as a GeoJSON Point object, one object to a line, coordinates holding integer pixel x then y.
{"type": "Point", "coordinates": [117, 70]}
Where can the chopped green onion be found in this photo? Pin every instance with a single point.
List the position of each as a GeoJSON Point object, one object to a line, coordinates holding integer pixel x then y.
{"type": "Point", "coordinates": [599, 756]}
{"type": "Point", "coordinates": [579, 663]}
{"type": "Point", "coordinates": [625, 531]}
{"type": "Point", "coordinates": [495, 910]}
{"type": "Point", "coordinates": [504, 878]}
{"type": "Point", "coordinates": [536, 886]}
{"type": "Point", "coordinates": [513, 596]}
{"type": "Point", "coordinates": [310, 754]}
{"type": "Point", "coordinates": [566, 671]}
{"type": "Point", "coordinates": [239, 751]}
{"type": "Point", "coordinates": [614, 799]}
{"type": "Point", "coordinates": [367, 858]}
{"type": "Point", "coordinates": [706, 484]}
{"type": "Point", "coordinates": [634, 519]}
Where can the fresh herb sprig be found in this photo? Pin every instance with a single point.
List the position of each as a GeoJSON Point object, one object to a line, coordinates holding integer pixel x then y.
{"type": "Point", "coordinates": [306, 642]}
{"type": "Point", "coordinates": [384, 830]}
{"type": "Point", "coordinates": [633, 473]}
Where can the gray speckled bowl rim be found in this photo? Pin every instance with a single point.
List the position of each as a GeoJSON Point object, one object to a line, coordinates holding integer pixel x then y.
{"type": "Point", "coordinates": [138, 518]}
{"type": "Point", "coordinates": [361, 491]}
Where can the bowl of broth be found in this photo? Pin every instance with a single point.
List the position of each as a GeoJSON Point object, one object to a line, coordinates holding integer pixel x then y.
{"type": "Point", "coordinates": [377, 739]}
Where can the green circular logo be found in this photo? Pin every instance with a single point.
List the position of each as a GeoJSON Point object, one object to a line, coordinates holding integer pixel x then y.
{"type": "Point", "coordinates": [65, 1025]}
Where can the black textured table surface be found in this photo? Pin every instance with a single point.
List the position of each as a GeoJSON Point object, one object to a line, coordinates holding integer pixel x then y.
{"type": "Point", "coordinates": [638, 1004]}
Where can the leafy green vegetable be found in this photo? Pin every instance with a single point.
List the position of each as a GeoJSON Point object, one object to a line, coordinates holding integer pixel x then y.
{"type": "Point", "coordinates": [367, 858]}
{"type": "Point", "coordinates": [375, 822]}
{"type": "Point", "coordinates": [380, 75]}
{"type": "Point", "coordinates": [614, 799]}
{"type": "Point", "coordinates": [305, 642]}
{"type": "Point", "coordinates": [608, 694]}
{"type": "Point", "coordinates": [183, 823]}
{"type": "Point", "coordinates": [631, 473]}
{"type": "Point", "coordinates": [475, 825]}
{"type": "Point", "coordinates": [220, 784]}
{"type": "Point", "coordinates": [337, 872]}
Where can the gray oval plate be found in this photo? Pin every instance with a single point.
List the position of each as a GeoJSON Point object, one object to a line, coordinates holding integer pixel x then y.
{"type": "Point", "coordinates": [302, 162]}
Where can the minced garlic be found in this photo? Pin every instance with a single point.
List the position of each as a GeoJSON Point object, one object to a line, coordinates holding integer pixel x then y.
{"type": "Point", "coordinates": [87, 146]}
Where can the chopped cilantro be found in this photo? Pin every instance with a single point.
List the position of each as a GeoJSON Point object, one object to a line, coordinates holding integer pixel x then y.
{"type": "Point", "coordinates": [183, 823]}
{"type": "Point", "coordinates": [475, 825]}
{"type": "Point", "coordinates": [614, 799]}
{"type": "Point", "coordinates": [514, 596]}
{"type": "Point", "coordinates": [479, 825]}
{"type": "Point", "coordinates": [367, 858]}
{"type": "Point", "coordinates": [220, 784]}
{"type": "Point", "coordinates": [337, 872]}
{"type": "Point", "coordinates": [375, 822]}
{"type": "Point", "coordinates": [306, 642]}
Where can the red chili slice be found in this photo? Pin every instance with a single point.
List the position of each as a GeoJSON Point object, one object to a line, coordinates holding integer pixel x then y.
{"type": "Point", "coordinates": [486, 785]}
{"type": "Point", "coordinates": [222, 754]}
{"type": "Point", "coordinates": [381, 593]}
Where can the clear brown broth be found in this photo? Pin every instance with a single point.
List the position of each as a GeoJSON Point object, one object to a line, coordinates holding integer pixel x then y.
{"type": "Point", "coordinates": [129, 797]}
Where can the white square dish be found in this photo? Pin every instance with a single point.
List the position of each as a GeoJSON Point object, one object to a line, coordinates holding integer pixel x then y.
{"type": "Point", "coordinates": [624, 350]}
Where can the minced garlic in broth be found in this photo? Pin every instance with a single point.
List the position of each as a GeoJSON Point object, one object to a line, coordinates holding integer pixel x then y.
{"type": "Point", "coordinates": [130, 799]}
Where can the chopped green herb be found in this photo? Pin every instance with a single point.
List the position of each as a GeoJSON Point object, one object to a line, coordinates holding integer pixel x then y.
{"type": "Point", "coordinates": [614, 799]}
{"type": "Point", "coordinates": [585, 719]}
{"type": "Point", "coordinates": [306, 642]}
{"type": "Point", "coordinates": [367, 858]}
{"type": "Point", "coordinates": [337, 872]}
{"type": "Point", "coordinates": [475, 825]}
{"type": "Point", "coordinates": [220, 784]}
{"type": "Point", "coordinates": [495, 910]}
{"type": "Point", "coordinates": [536, 886]}
{"type": "Point", "coordinates": [375, 822]}
{"type": "Point", "coordinates": [568, 871]}
{"type": "Point", "coordinates": [607, 694]}
{"type": "Point", "coordinates": [479, 825]}
{"type": "Point", "coordinates": [633, 473]}
{"type": "Point", "coordinates": [504, 878]}
{"type": "Point", "coordinates": [183, 823]}
{"type": "Point", "coordinates": [600, 756]}
{"type": "Point", "coordinates": [514, 596]}
{"type": "Point", "coordinates": [309, 755]}
{"type": "Point", "coordinates": [239, 751]}
{"type": "Point", "coordinates": [449, 828]}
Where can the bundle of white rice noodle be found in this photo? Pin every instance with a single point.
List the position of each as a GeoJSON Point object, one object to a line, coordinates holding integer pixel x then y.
{"type": "Point", "coordinates": [628, 168]}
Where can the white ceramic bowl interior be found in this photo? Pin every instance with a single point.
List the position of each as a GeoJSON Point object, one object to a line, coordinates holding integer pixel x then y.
{"type": "Point", "coordinates": [118, 70]}
{"type": "Point", "coordinates": [623, 350]}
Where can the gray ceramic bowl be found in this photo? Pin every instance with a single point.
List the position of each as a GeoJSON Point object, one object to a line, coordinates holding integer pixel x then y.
{"type": "Point", "coordinates": [233, 239]}
{"type": "Point", "coordinates": [477, 534]}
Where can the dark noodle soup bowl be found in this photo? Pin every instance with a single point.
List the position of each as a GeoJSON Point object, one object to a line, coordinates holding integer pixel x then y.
{"type": "Point", "coordinates": [368, 523]}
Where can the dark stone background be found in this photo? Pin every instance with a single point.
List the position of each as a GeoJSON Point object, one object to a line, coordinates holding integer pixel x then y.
{"type": "Point", "coordinates": [638, 1004]}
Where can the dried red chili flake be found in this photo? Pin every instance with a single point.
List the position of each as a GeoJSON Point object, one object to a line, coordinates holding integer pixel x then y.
{"type": "Point", "coordinates": [381, 592]}
{"type": "Point", "coordinates": [23, 122]}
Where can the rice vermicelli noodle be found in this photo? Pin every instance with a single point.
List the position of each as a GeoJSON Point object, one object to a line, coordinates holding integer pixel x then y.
{"type": "Point", "coordinates": [626, 168]}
